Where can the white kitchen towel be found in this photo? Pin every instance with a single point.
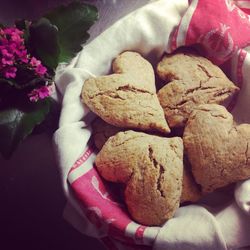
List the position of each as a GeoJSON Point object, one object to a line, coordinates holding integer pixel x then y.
{"type": "Point", "coordinates": [156, 28]}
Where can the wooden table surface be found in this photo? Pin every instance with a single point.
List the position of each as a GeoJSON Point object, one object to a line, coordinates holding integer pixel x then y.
{"type": "Point", "coordinates": [31, 198]}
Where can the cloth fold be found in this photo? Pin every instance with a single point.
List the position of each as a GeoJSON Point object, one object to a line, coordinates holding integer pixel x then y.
{"type": "Point", "coordinates": [161, 26]}
{"type": "Point", "coordinates": [192, 228]}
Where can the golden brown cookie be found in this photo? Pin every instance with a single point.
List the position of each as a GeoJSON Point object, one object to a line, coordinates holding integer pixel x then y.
{"type": "Point", "coordinates": [133, 64]}
{"type": "Point", "coordinates": [193, 80]}
{"type": "Point", "coordinates": [102, 131]}
{"type": "Point", "coordinates": [151, 167]}
{"type": "Point", "coordinates": [128, 97]}
{"type": "Point", "coordinates": [218, 150]}
{"type": "Point", "coordinates": [190, 190]}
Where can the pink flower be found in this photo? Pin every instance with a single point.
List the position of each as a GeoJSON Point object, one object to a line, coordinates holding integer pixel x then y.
{"type": "Point", "coordinates": [40, 93]}
{"type": "Point", "coordinates": [10, 72]}
{"type": "Point", "coordinates": [17, 38]}
{"type": "Point", "coordinates": [7, 58]}
{"type": "Point", "coordinates": [6, 61]}
{"type": "Point", "coordinates": [39, 68]}
{"type": "Point", "coordinates": [14, 32]}
{"type": "Point", "coordinates": [10, 43]}
{"type": "Point", "coordinates": [34, 62]}
{"type": "Point", "coordinates": [23, 55]}
{"type": "Point", "coordinates": [14, 55]}
{"type": "Point", "coordinates": [5, 52]}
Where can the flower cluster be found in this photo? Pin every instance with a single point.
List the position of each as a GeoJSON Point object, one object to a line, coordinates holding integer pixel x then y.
{"type": "Point", "coordinates": [40, 93]}
{"type": "Point", "coordinates": [14, 55]}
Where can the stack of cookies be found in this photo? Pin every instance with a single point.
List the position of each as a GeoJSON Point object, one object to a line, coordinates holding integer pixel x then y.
{"type": "Point", "coordinates": [134, 132]}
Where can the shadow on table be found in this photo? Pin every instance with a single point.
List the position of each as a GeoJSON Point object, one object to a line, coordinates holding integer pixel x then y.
{"type": "Point", "coordinates": [32, 202]}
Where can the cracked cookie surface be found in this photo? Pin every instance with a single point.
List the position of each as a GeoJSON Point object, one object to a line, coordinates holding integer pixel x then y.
{"type": "Point", "coordinates": [190, 190]}
{"type": "Point", "coordinates": [128, 97]}
{"type": "Point", "coordinates": [193, 80]}
{"type": "Point", "coordinates": [151, 167]}
{"type": "Point", "coordinates": [218, 149]}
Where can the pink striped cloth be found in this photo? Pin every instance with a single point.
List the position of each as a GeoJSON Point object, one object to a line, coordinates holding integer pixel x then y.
{"type": "Point", "coordinates": [220, 29]}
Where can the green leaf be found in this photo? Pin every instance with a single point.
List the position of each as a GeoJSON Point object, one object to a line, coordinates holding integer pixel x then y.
{"type": "Point", "coordinates": [73, 22]}
{"type": "Point", "coordinates": [17, 123]}
{"type": "Point", "coordinates": [43, 42]}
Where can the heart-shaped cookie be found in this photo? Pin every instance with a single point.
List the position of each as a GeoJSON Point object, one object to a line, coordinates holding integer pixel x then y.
{"type": "Point", "coordinates": [127, 98]}
{"type": "Point", "coordinates": [102, 131]}
{"type": "Point", "coordinates": [151, 167]}
{"type": "Point", "coordinates": [194, 80]}
{"type": "Point", "coordinates": [190, 190]}
{"type": "Point", "coordinates": [217, 149]}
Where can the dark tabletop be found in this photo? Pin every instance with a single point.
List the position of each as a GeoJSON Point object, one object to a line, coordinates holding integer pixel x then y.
{"type": "Point", "coordinates": [31, 198]}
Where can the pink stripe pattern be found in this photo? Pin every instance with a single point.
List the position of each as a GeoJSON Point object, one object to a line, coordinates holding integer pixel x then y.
{"type": "Point", "coordinates": [82, 159]}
